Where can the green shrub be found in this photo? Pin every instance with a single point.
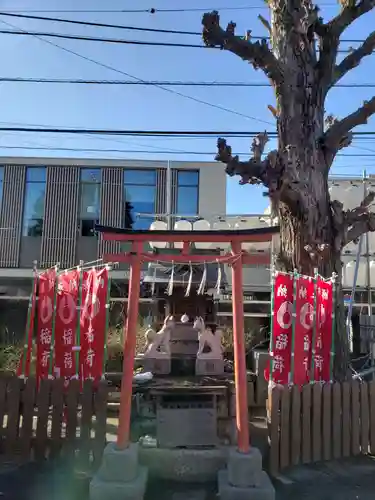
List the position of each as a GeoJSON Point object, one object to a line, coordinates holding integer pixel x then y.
{"type": "Point", "coordinates": [10, 356]}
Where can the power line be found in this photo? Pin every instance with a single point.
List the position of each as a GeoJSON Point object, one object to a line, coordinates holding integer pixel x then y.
{"type": "Point", "coordinates": [125, 27]}
{"type": "Point", "coordinates": [168, 83]}
{"type": "Point", "coordinates": [95, 137]}
{"type": "Point", "coordinates": [118, 40]}
{"type": "Point", "coordinates": [156, 11]}
{"type": "Point", "coordinates": [103, 25]}
{"type": "Point", "coordinates": [366, 139]}
{"type": "Point", "coordinates": [149, 133]}
{"type": "Point", "coordinates": [139, 11]}
{"type": "Point", "coordinates": [121, 72]}
{"type": "Point", "coordinates": [145, 151]}
{"type": "Point", "coordinates": [140, 133]}
{"type": "Point", "coordinates": [106, 40]}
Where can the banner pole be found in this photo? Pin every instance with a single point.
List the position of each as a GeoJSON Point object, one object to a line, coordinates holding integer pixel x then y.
{"type": "Point", "coordinates": [273, 276]}
{"type": "Point", "coordinates": [313, 340]}
{"type": "Point", "coordinates": [77, 342]}
{"type": "Point", "coordinates": [294, 319]}
{"type": "Point", "coordinates": [107, 306]}
{"type": "Point", "coordinates": [51, 353]}
{"type": "Point", "coordinates": [334, 299]}
{"type": "Point", "coordinates": [25, 366]}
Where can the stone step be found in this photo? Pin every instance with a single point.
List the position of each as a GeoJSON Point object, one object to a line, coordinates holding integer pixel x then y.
{"type": "Point", "coordinates": [189, 494]}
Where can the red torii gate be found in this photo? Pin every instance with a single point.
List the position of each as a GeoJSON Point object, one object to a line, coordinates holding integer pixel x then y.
{"type": "Point", "coordinates": [136, 256]}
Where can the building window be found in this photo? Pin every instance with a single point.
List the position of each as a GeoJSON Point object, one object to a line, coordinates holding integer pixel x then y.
{"type": "Point", "coordinates": [33, 210]}
{"type": "Point", "coordinates": [187, 192]}
{"type": "Point", "coordinates": [140, 192]}
{"type": "Point", "coordinates": [1, 184]}
{"type": "Point", "coordinates": [90, 200]}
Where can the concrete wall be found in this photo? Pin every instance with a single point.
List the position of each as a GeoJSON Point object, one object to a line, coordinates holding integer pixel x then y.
{"type": "Point", "coordinates": [255, 278]}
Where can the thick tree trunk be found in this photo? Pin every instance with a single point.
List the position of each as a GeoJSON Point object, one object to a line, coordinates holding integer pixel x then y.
{"type": "Point", "coordinates": [295, 235]}
{"type": "Point", "coordinates": [307, 231]}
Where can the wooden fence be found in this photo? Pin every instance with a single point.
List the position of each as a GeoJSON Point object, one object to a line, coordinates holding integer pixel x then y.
{"type": "Point", "coordinates": [318, 423]}
{"type": "Point", "coordinates": [52, 422]}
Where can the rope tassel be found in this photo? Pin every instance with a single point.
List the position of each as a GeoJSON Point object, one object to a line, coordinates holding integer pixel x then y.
{"type": "Point", "coordinates": [171, 279]}
{"type": "Point", "coordinates": [153, 284]}
{"type": "Point", "coordinates": [188, 288]}
{"type": "Point", "coordinates": [202, 285]}
{"type": "Point", "coordinates": [219, 278]}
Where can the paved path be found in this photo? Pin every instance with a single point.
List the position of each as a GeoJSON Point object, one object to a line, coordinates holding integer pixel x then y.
{"type": "Point", "coordinates": [342, 480]}
{"type": "Point", "coordinates": [351, 479]}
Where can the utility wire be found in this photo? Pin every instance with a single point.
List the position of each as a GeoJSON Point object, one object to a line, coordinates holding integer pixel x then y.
{"type": "Point", "coordinates": [129, 28]}
{"type": "Point", "coordinates": [139, 133]}
{"type": "Point", "coordinates": [106, 40]}
{"type": "Point", "coordinates": [145, 151]}
{"type": "Point", "coordinates": [149, 133]}
{"type": "Point", "coordinates": [156, 11]}
{"type": "Point", "coordinates": [93, 137]}
{"type": "Point", "coordinates": [167, 83]}
{"type": "Point", "coordinates": [104, 25]}
{"type": "Point", "coordinates": [118, 40]}
{"type": "Point", "coordinates": [161, 87]}
{"type": "Point", "coordinates": [367, 139]}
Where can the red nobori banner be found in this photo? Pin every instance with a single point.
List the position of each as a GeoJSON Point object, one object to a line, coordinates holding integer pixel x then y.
{"type": "Point", "coordinates": [45, 322]}
{"type": "Point", "coordinates": [303, 332]}
{"type": "Point", "coordinates": [93, 323]}
{"type": "Point", "coordinates": [282, 328]}
{"type": "Point", "coordinates": [323, 337]}
{"type": "Point", "coordinates": [66, 324]}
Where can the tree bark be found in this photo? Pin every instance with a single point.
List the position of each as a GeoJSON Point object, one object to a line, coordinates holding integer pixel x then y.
{"type": "Point", "coordinates": [307, 228]}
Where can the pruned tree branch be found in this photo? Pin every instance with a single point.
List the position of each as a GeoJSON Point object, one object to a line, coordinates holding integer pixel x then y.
{"type": "Point", "coordinates": [351, 11]}
{"type": "Point", "coordinates": [354, 58]}
{"type": "Point", "coordinates": [265, 23]}
{"type": "Point", "coordinates": [338, 134]}
{"type": "Point", "coordinates": [364, 223]}
{"type": "Point", "coordinates": [330, 150]}
{"type": "Point", "coordinates": [253, 171]}
{"type": "Point", "coordinates": [351, 224]}
{"type": "Point", "coordinates": [351, 216]}
{"type": "Point", "coordinates": [354, 223]}
{"type": "Point", "coordinates": [329, 37]}
{"type": "Point", "coordinates": [256, 53]}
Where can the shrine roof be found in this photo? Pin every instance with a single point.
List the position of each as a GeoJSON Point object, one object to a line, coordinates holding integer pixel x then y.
{"type": "Point", "coordinates": [227, 232]}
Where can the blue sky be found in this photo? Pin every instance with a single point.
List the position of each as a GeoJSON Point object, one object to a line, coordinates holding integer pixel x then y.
{"type": "Point", "coordinates": [136, 107]}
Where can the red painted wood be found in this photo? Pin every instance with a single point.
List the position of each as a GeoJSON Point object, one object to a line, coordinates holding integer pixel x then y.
{"type": "Point", "coordinates": [240, 371]}
{"type": "Point", "coordinates": [123, 433]}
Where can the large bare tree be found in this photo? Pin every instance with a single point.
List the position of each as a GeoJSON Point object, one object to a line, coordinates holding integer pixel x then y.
{"type": "Point", "coordinates": [302, 63]}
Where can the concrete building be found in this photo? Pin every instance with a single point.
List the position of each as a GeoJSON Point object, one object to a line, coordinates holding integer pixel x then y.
{"type": "Point", "coordinates": [49, 207]}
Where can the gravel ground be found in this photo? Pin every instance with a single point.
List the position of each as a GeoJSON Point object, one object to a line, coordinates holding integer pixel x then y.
{"type": "Point", "coordinates": [343, 480]}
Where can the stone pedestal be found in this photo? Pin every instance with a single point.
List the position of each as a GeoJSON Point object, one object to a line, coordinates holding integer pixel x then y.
{"type": "Point", "coordinates": [244, 478]}
{"type": "Point", "coordinates": [260, 362]}
{"type": "Point", "coordinates": [209, 366]}
{"type": "Point", "coordinates": [156, 365]}
{"type": "Point", "coordinates": [120, 476]}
